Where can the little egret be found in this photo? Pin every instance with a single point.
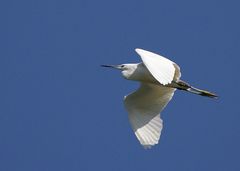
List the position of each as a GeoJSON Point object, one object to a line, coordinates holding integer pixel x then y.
{"type": "Point", "coordinates": [159, 78]}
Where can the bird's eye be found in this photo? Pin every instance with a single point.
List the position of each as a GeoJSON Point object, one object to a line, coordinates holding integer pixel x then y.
{"type": "Point", "coordinates": [122, 66]}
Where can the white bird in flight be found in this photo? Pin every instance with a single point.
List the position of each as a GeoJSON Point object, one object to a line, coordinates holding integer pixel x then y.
{"type": "Point", "coordinates": [159, 78]}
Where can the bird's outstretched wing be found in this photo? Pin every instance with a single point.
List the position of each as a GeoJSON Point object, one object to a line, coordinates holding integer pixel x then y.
{"type": "Point", "coordinates": [144, 107]}
{"type": "Point", "coordinates": [162, 69]}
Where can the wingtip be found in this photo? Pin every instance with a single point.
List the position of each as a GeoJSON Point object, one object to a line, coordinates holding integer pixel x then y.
{"type": "Point", "coordinates": [138, 50]}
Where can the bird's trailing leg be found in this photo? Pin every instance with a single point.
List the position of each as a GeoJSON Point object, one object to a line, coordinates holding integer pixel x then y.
{"type": "Point", "coordinates": [181, 85]}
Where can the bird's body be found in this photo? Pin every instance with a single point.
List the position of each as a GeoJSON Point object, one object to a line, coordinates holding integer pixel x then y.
{"type": "Point", "coordinates": [139, 73]}
{"type": "Point", "coordinates": [159, 78]}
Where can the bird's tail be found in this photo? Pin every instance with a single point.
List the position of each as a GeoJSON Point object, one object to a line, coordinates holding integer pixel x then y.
{"type": "Point", "coordinates": [184, 86]}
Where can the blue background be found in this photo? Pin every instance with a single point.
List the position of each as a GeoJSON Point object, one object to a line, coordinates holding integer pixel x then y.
{"type": "Point", "coordinates": [59, 110]}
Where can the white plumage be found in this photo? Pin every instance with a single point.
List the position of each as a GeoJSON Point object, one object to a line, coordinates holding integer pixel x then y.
{"type": "Point", "coordinates": [145, 105]}
{"type": "Point", "coordinates": [159, 78]}
{"type": "Point", "coordinates": [162, 69]}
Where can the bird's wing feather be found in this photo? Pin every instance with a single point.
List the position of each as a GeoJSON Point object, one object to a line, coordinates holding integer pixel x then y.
{"type": "Point", "coordinates": [144, 107]}
{"type": "Point", "coordinates": [177, 72]}
{"type": "Point", "coordinates": [161, 68]}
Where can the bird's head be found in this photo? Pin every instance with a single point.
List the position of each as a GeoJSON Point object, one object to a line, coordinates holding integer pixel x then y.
{"type": "Point", "coordinates": [127, 69]}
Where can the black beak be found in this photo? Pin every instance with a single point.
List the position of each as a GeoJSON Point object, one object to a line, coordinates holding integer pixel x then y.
{"type": "Point", "coordinates": [111, 66]}
{"type": "Point", "coordinates": [107, 66]}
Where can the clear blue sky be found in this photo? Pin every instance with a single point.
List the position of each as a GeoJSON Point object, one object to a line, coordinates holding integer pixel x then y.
{"type": "Point", "coordinates": [59, 110]}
